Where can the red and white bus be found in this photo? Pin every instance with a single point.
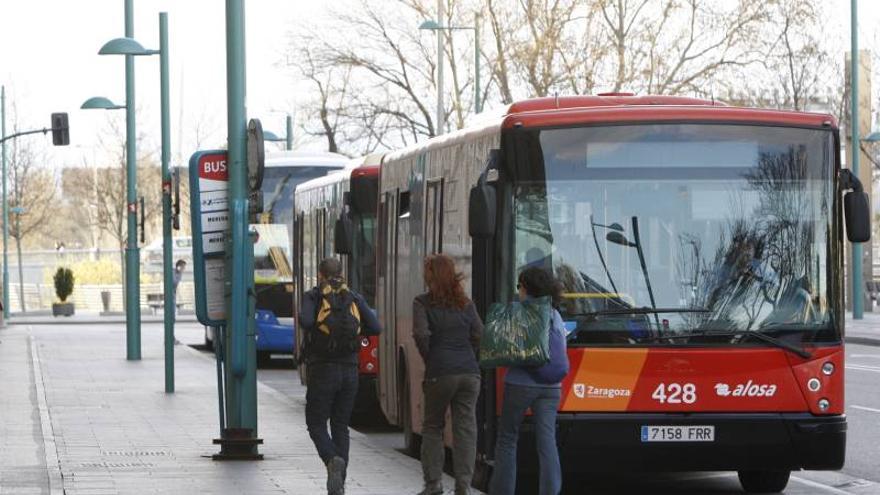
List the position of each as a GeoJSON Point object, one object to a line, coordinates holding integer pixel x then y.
{"type": "Point", "coordinates": [335, 215]}
{"type": "Point", "coordinates": [700, 247]}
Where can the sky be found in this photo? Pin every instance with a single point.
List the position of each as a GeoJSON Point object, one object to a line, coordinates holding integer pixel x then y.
{"type": "Point", "coordinates": [49, 63]}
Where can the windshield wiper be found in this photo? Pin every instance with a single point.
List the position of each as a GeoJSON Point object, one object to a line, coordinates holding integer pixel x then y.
{"type": "Point", "coordinates": [640, 311]}
{"type": "Point", "coordinates": [748, 333]}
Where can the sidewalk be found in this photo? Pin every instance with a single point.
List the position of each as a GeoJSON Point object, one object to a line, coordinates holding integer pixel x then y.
{"type": "Point", "coordinates": [865, 331]}
{"type": "Point", "coordinates": [39, 318]}
{"type": "Point", "coordinates": [78, 418]}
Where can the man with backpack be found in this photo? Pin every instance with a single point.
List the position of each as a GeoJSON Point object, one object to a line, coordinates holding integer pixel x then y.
{"type": "Point", "coordinates": [335, 319]}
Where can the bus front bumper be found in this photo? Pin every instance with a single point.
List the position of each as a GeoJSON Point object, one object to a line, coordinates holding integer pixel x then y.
{"type": "Point", "coordinates": [782, 441]}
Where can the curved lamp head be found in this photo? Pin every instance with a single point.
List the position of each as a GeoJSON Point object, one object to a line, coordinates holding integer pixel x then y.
{"type": "Point", "coordinates": [872, 138]}
{"type": "Point", "coordinates": [430, 24]}
{"type": "Point", "coordinates": [123, 46]}
{"type": "Point", "coordinates": [271, 136]}
{"type": "Point", "coordinates": [100, 103]}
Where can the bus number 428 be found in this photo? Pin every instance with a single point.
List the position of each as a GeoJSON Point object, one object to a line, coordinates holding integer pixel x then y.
{"type": "Point", "coordinates": [675, 393]}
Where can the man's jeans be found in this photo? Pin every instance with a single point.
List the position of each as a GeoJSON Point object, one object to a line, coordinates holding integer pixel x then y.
{"type": "Point", "coordinates": [331, 392]}
{"type": "Point", "coordinates": [458, 392]}
{"type": "Point", "coordinates": [544, 403]}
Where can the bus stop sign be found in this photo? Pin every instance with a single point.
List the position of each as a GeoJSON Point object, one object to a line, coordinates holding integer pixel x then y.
{"type": "Point", "coordinates": [208, 176]}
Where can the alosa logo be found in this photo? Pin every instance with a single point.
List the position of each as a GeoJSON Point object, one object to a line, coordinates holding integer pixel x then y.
{"type": "Point", "coordinates": [588, 391]}
{"type": "Point", "coordinates": [748, 389]}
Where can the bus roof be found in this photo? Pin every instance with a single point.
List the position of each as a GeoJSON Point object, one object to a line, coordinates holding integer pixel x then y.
{"type": "Point", "coordinates": [664, 113]}
{"type": "Point", "coordinates": [368, 165]}
{"type": "Point", "coordinates": [298, 158]}
{"type": "Point", "coordinates": [613, 108]}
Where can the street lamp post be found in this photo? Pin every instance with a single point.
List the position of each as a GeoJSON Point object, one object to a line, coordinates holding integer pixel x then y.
{"type": "Point", "coordinates": [5, 212]}
{"type": "Point", "coordinates": [856, 257]}
{"type": "Point", "coordinates": [18, 210]}
{"type": "Point", "coordinates": [275, 138]}
{"type": "Point", "coordinates": [432, 25]}
{"type": "Point", "coordinates": [131, 48]}
{"type": "Point", "coordinates": [132, 257]}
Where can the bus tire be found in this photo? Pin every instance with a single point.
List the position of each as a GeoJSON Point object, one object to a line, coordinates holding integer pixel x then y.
{"type": "Point", "coordinates": [264, 359]}
{"type": "Point", "coordinates": [763, 481]}
{"type": "Point", "coordinates": [412, 442]}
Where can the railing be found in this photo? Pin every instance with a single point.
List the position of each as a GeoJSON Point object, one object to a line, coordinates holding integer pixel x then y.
{"type": "Point", "coordinates": [87, 298]}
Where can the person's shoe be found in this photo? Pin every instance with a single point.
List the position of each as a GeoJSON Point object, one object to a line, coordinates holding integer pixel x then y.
{"type": "Point", "coordinates": [432, 489]}
{"type": "Point", "coordinates": [336, 476]}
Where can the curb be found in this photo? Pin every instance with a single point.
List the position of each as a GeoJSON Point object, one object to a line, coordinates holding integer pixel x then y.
{"type": "Point", "coordinates": [50, 449]}
{"type": "Point", "coordinates": [871, 341]}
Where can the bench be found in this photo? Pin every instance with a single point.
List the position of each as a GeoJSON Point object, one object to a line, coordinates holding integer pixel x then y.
{"type": "Point", "coordinates": [156, 301]}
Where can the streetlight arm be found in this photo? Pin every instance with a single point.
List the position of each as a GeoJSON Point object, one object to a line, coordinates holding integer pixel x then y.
{"type": "Point", "coordinates": [44, 130]}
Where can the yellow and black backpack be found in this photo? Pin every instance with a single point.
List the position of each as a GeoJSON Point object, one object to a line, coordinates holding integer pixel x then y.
{"type": "Point", "coordinates": [337, 324]}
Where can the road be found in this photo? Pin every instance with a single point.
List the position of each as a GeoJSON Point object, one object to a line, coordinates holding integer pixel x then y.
{"type": "Point", "coordinates": [861, 475]}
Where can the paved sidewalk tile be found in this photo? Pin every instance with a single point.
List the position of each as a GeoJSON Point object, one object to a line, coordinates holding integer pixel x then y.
{"type": "Point", "coordinates": [22, 458]}
{"type": "Point", "coordinates": [116, 431]}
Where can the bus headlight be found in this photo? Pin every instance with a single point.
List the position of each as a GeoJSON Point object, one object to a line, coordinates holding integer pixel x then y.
{"type": "Point", "coordinates": [814, 384]}
{"type": "Point", "coordinates": [365, 342]}
{"type": "Point", "coordinates": [828, 368]}
{"type": "Point", "coordinates": [824, 404]}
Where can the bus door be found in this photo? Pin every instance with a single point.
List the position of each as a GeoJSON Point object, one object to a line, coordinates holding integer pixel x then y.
{"type": "Point", "coordinates": [388, 338]}
{"type": "Point", "coordinates": [434, 216]}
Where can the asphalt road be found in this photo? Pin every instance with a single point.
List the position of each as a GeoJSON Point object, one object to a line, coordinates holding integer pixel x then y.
{"type": "Point", "coordinates": [861, 474]}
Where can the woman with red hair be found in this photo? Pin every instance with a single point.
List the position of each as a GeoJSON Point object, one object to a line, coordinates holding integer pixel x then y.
{"type": "Point", "coordinates": [447, 330]}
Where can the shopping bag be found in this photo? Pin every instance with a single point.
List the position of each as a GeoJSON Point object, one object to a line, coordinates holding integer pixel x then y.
{"type": "Point", "coordinates": [516, 334]}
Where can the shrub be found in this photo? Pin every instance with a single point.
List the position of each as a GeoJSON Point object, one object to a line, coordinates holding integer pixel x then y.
{"type": "Point", "coordinates": [63, 283]}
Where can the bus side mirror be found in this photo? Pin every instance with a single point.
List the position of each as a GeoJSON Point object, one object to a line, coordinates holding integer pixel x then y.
{"type": "Point", "coordinates": [857, 212]}
{"type": "Point", "coordinates": [481, 211]}
{"type": "Point", "coordinates": [342, 235]}
{"type": "Point", "coordinates": [856, 208]}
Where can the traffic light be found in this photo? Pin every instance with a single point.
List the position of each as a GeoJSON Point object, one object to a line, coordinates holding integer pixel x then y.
{"type": "Point", "coordinates": [60, 129]}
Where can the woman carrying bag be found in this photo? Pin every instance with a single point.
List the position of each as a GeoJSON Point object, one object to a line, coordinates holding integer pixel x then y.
{"type": "Point", "coordinates": [447, 330]}
{"type": "Point", "coordinates": [538, 388]}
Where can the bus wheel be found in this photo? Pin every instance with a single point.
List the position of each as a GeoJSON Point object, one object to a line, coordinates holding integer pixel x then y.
{"type": "Point", "coordinates": [264, 359]}
{"type": "Point", "coordinates": [412, 442]}
{"type": "Point", "coordinates": [763, 481]}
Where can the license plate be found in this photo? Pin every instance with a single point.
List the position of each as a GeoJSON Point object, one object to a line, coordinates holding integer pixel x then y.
{"type": "Point", "coordinates": [678, 433]}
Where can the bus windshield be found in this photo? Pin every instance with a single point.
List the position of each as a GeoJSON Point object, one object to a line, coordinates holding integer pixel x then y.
{"type": "Point", "coordinates": [680, 229]}
{"type": "Point", "coordinates": [272, 256]}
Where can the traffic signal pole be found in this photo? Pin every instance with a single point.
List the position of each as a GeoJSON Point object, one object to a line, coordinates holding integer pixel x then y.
{"type": "Point", "coordinates": [239, 438]}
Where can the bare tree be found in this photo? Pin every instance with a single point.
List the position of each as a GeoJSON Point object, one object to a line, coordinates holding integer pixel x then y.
{"type": "Point", "coordinates": [32, 192]}
{"type": "Point", "coordinates": [378, 92]}
{"type": "Point", "coordinates": [101, 190]}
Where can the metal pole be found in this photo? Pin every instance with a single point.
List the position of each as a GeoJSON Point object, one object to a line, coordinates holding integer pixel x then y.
{"type": "Point", "coordinates": [18, 250]}
{"type": "Point", "coordinates": [441, 14]}
{"type": "Point", "coordinates": [132, 257]}
{"type": "Point", "coordinates": [167, 262]}
{"type": "Point", "coordinates": [289, 132]}
{"type": "Point", "coordinates": [240, 346]}
{"type": "Point", "coordinates": [857, 285]}
{"type": "Point", "coordinates": [478, 104]}
{"type": "Point", "coordinates": [5, 208]}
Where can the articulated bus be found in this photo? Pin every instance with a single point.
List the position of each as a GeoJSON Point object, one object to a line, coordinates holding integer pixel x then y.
{"type": "Point", "coordinates": [700, 248]}
{"type": "Point", "coordinates": [273, 259]}
{"type": "Point", "coordinates": [336, 215]}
